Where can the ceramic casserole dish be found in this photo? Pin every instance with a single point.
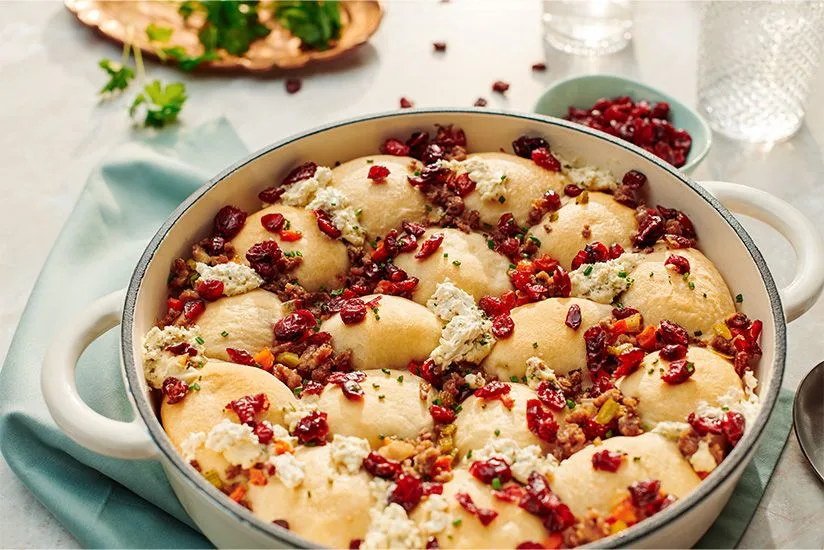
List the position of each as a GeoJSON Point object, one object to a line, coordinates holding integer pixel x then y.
{"type": "Point", "coordinates": [709, 204]}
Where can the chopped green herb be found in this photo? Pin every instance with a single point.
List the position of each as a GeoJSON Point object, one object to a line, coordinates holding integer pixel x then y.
{"type": "Point", "coordinates": [369, 161]}
{"type": "Point", "coordinates": [446, 254]}
{"type": "Point", "coordinates": [651, 274]}
{"type": "Point", "coordinates": [725, 409]}
{"type": "Point", "coordinates": [608, 434]}
{"type": "Point", "coordinates": [622, 274]}
{"type": "Point", "coordinates": [513, 378]}
{"type": "Point", "coordinates": [458, 409]}
{"type": "Point", "coordinates": [381, 437]}
{"type": "Point", "coordinates": [385, 371]}
{"type": "Point", "coordinates": [690, 367]}
{"type": "Point", "coordinates": [587, 270]}
{"type": "Point", "coordinates": [381, 396]}
{"type": "Point", "coordinates": [739, 298]}
{"type": "Point", "coordinates": [359, 213]}
{"type": "Point", "coordinates": [651, 371]}
{"type": "Point", "coordinates": [456, 263]}
{"type": "Point", "coordinates": [496, 483]}
{"type": "Point", "coordinates": [317, 24]}
{"type": "Point", "coordinates": [194, 387]}
{"type": "Point", "coordinates": [376, 386]}
{"type": "Point", "coordinates": [501, 199]}
{"type": "Point", "coordinates": [400, 379]}
{"type": "Point", "coordinates": [490, 244]}
{"type": "Point", "coordinates": [297, 390]}
{"type": "Point", "coordinates": [162, 104]}
{"type": "Point", "coordinates": [636, 459]}
{"type": "Point", "coordinates": [456, 522]}
{"type": "Point", "coordinates": [692, 285]}
{"type": "Point", "coordinates": [224, 334]}
{"type": "Point", "coordinates": [469, 454]}
{"type": "Point", "coordinates": [158, 34]}
{"type": "Point", "coordinates": [570, 404]}
{"type": "Point", "coordinates": [497, 432]}
{"type": "Point", "coordinates": [697, 333]}
{"type": "Point", "coordinates": [437, 401]}
{"type": "Point", "coordinates": [535, 240]}
{"type": "Point", "coordinates": [534, 345]}
{"type": "Point", "coordinates": [119, 76]}
{"type": "Point", "coordinates": [199, 340]}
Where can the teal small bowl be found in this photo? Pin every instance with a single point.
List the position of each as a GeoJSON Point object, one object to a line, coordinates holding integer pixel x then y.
{"type": "Point", "coordinates": [583, 91]}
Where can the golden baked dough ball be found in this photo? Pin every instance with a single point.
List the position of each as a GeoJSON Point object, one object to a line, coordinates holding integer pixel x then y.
{"type": "Point", "coordinates": [331, 507]}
{"type": "Point", "coordinates": [325, 260]}
{"type": "Point", "coordinates": [385, 204]}
{"type": "Point", "coordinates": [714, 377]}
{"type": "Point", "coordinates": [463, 258]}
{"type": "Point", "coordinates": [480, 418]}
{"type": "Point", "coordinates": [603, 219]}
{"type": "Point", "coordinates": [659, 292]}
{"type": "Point", "coordinates": [544, 323]}
{"type": "Point", "coordinates": [525, 182]}
{"type": "Point", "coordinates": [246, 319]}
{"type": "Point", "coordinates": [221, 383]}
{"type": "Point", "coordinates": [399, 332]}
{"type": "Point", "coordinates": [513, 525]}
{"type": "Point", "coordinates": [648, 457]}
{"type": "Point", "coordinates": [391, 406]}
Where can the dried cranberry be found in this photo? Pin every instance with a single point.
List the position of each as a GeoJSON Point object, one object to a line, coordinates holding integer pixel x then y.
{"type": "Point", "coordinates": [573, 317]}
{"type": "Point", "coordinates": [432, 153]}
{"type": "Point", "coordinates": [407, 492]}
{"type": "Point", "coordinates": [572, 190]}
{"type": "Point", "coordinates": [634, 179]}
{"type": "Point", "coordinates": [295, 325]}
{"type": "Point", "coordinates": [210, 289]}
{"type": "Point", "coordinates": [181, 349]}
{"type": "Point", "coordinates": [300, 173]}
{"type": "Point", "coordinates": [406, 103]}
{"type": "Point", "coordinates": [192, 309]}
{"type": "Point", "coordinates": [214, 245]}
{"type": "Point", "coordinates": [507, 225]}
{"type": "Point", "coordinates": [543, 158]}
{"type": "Point", "coordinates": [449, 136]}
{"type": "Point", "coordinates": [326, 225]}
{"type": "Point", "coordinates": [432, 543]}
{"type": "Point", "coordinates": [240, 356]}
{"type": "Point", "coordinates": [229, 221]}
{"type": "Point", "coordinates": [528, 545]}
{"type": "Point", "coordinates": [480, 102]}
{"type": "Point", "coordinates": [615, 251]}
{"type": "Point", "coordinates": [264, 258]}
{"type": "Point", "coordinates": [429, 246]}
{"type": "Point", "coordinates": [561, 285]}
{"type": "Point", "coordinates": [489, 470]}
{"type": "Point", "coordinates": [510, 493]}
{"type": "Point", "coordinates": [349, 384]}
{"type": "Point", "coordinates": [644, 493]}
{"type": "Point", "coordinates": [441, 414]}
{"type": "Point", "coordinates": [679, 264]}
{"type": "Point", "coordinates": [673, 333]}
{"type": "Point", "coordinates": [380, 466]}
{"type": "Point", "coordinates": [174, 390]}
{"type": "Point", "coordinates": [378, 173]}
{"type": "Point", "coordinates": [493, 390]}
{"type": "Point", "coordinates": [540, 66]}
{"type": "Point", "coordinates": [355, 544]}
{"type": "Point", "coordinates": [282, 522]}
{"type": "Point", "coordinates": [673, 352]}
{"type": "Point", "coordinates": [650, 229]}
{"type": "Point", "coordinates": [540, 421]}
{"type": "Point", "coordinates": [705, 424]}
{"type": "Point", "coordinates": [524, 145]}
{"type": "Point", "coordinates": [271, 194]}
{"type": "Point", "coordinates": [264, 432]}
{"type": "Point", "coordinates": [395, 147]}
{"type": "Point", "coordinates": [502, 326]}
{"type": "Point", "coordinates": [540, 501]}
{"type": "Point", "coordinates": [629, 361]}
{"type": "Point", "coordinates": [687, 227]}
{"type": "Point", "coordinates": [624, 312]}
{"type": "Point", "coordinates": [312, 429]}
{"type": "Point", "coordinates": [248, 407]}
{"type": "Point", "coordinates": [607, 461]}
{"type": "Point", "coordinates": [484, 515]}
{"type": "Point", "coordinates": [353, 311]}
{"type": "Point", "coordinates": [293, 85]}
{"type": "Point", "coordinates": [273, 222]}
{"type": "Point", "coordinates": [500, 86]}
{"type": "Point", "coordinates": [595, 340]}
{"type": "Point", "coordinates": [733, 425]}
{"type": "Point", "coordinates": [678, 372]}
{"type": "Point", "coordinates": [311, 387]}
{"type": "Point", "coordinates": [551, 396]}
{"type": "Point", "coordinates": [440, 46]}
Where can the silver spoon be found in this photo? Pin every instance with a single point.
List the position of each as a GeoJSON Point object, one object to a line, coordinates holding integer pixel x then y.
{"type": "Point", "coordinates": [808, 418]}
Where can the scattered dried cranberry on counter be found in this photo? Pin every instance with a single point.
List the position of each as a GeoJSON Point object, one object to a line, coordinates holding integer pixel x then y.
{"type": "Point", "coordinates": [174, 390]}
{"type": "Point", "coordinates": [607, 461]}
{"type": "Point", "coordinates": [406, 103]}
{"type": "Point", "coordinates": [439, 46]}
{"type": "Point", "coordinates": [480, 102]}
{"type": "Point", "coordinates": [539, 67]}
{"type": "Point", "coordinates": [378, 173]}
{"type": "Point", "coordinates": [500, 86]}
{"type": "Point", "coordinates": [640, 123]}
{"type": "Point", "coordinates": [293, 85]}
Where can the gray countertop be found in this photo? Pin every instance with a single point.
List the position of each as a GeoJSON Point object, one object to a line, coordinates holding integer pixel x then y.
{"type": "Point", "coordinates": [54, 132]}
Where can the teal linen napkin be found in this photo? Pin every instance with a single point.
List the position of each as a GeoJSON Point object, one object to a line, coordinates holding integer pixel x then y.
{"type": "Point", "coordinates": [111, 503]}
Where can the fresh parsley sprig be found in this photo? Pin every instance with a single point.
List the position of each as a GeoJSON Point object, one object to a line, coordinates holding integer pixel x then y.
{"type": "Point", "coordinates": [316, 23]}
{"type": "Point", "coordinates": [119, 76]}
{"type": "Point", "coordinates": [162, 104]}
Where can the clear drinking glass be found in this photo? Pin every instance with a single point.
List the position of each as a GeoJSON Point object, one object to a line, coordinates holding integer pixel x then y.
{"type": "Point", "coordinates": [756, 63]}
{"type": "Point", "coordinates": [588, 27]}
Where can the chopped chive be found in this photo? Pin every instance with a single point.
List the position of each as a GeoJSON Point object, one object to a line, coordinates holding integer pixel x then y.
{"type": "Point", "coordinates": [496, 483]}
{"type": "Point", "coordinates": [501, 200]}
{"type": "Point", "coordinates": [587, 270]}
{"type": "Point", "coordinates": [224, 334]}
{"type": "Point", "coordinates": [199, 340]}
{"type": "Point", "coordinates": [513, 378]}
{"type": "Point", "coordinates": [739, 298]}
{"type": "Point", "coordinates": [570, 404]}
{"type": "Point", "coordinates": [497, 432]}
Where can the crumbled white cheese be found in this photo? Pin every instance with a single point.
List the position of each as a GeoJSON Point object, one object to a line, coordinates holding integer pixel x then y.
{"type": "Point", "coordinates": [281, 434]}
{"type": "Point", "coordinates": [348, 452]}
{"type": "Point", "coordinates": [379, 489]}
{"type": "Point", "coordinates": [702, 460]}
{"type": "Point", "coordinates": [750, 383]}
{"type": "Point", "coordinates": [588, 177]}
{"type": "Point", "coordinates": [346, 219]}
{"type": "Point", "coordinates": [747, 403]}
{"type": "Point", "coordinates": [670, 430]}
{"type": "Point", "coordinates": [475, 380]}
{"type": "Point", "coordinates": [236, 442]}
{"type": "Point", "coordinates": [489, 183]}
{"type": "Point", "coordinates": [302, 192]}
{"type": "Point", "coordinates": [467, 335]}
{"type": "Point", "coordinates": [435, 517]}
{"type": "Point", "coordinates": [159, 364]}
{"type": "Point", "coordinates": [522, 460]}
{"type": "Point", "coordinates": [391, 528]}
{"type": "Point", "coordinates": [328, 199]}
{"type": "Point", "coordinates": [538, 371]}
{"type": "Point", "coordinates": [294, 413]}
{"type": "Point", "coordinates": [603, 281]}
{"type": "Point", "coordinates": [191, 445]}
{"type": "Point", "coordinates": [236, 278]}
{"type": "Point", "coordinates": [288, 469]}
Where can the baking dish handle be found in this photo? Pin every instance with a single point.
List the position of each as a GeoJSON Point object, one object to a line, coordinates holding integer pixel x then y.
{"type": "Point", "coordinates": [805, 288]}
{"type": "Point", "coordinates": [87, 427]}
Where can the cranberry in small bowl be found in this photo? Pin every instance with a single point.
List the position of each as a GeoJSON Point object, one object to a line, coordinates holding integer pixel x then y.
{"type": "Point", "coordinates": [634, 112]}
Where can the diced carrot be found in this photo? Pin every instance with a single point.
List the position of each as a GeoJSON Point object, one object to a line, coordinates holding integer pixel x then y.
{"type": "Point", "coordinates": [257, 477]}
{"type": "Point", "coordinates": [554, 540]}
{"type": "Point", "coordinates": [265, 359]}
{"type": "Point", "coordinates": [238, 493]}
{"type": "Point", "coordinates": [647, 338]}
{"type": "Point", "coordinates": [282, 447]}
{"type": "Point", "coordinates": [290, 236]}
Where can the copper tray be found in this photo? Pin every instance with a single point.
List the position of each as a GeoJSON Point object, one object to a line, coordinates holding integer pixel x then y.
{"type": "Point", "coordinates": [117, 19]}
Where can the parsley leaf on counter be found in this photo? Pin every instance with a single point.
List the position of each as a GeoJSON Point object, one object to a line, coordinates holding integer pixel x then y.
{"type": "Point", "coordinates": [119, 76]}
{"type": "Point", "coordinates": [158, 34]}
{"type": "Point", "coordinates": [315, 23]}
{"type": "Point", "coordinates": [162, 105]}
